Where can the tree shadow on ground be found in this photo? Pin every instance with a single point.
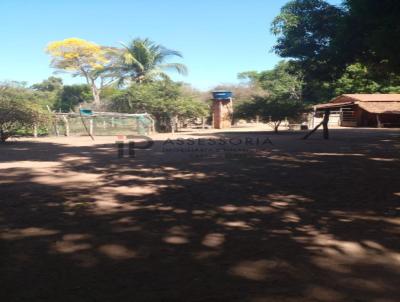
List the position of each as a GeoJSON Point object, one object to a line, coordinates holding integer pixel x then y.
{"type": "Point", "coordinates": [311, 221]}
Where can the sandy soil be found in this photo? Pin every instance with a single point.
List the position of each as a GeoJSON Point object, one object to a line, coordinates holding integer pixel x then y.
{"type": "Point", "coordinates": [204, 215]}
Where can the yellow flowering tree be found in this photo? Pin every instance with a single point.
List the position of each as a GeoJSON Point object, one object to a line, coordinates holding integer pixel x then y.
{"type": "Point", "coordinates": [82, 58]}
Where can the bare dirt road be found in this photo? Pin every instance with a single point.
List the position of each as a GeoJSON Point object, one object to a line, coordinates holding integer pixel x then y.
{"type": "Point", "coordinates": [238, 215]}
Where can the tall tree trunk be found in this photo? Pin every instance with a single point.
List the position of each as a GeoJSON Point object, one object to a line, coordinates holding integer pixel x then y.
{"type": "Point", "coordinates": [95, 90]}
{"type": "Point", "coordinates": [96, 94]}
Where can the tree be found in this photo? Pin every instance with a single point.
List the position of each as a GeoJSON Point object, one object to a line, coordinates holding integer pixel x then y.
{"type": "Point", "coordinates": [143, 60]}
{"type": "Point", "coordinates": [18, 110]}
{"type": "Point", "coordinates": [283, 79]}
{"type": "Point", "coordinates": [352, 48]}
{"type": "Point", "coordinates": [358, 78]}
{"type": "Point", "coordinates": [307, 31]}
{"type": "Point", "coordinates": [52, 84]}
{"type": "Point", "coordinates": [163, 99]}
{"type": "Point", "coordinates": [73, 95]}
{"type": "Point", "coordinates": [249, 77]}
{"type": "Point", "coordinates": [85, 59]}
{"type": "Point", "coordinates": [371, 34]}
{"type": "Point", "coordinates": [282, 98]}
{"type": "Point", "coordinates": [48, 92]}
{"type": "Point", "coordinates": [271, 109]}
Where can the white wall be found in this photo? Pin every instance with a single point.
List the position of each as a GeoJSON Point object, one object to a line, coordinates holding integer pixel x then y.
{"type": "Point", "coordinates": [334, 120]}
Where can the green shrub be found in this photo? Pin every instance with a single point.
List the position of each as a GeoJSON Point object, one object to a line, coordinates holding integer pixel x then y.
{"type": "Point", "coordinates": [18, 111]}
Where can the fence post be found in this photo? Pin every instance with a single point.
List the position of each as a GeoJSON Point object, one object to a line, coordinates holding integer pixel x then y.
{"type": "Point", "coordinates": [35, 130]}
{"type": "Point", "coordinates": [56, 127]}
{"type": "Point", "coordinates": [91, 127]}
{"type": "Point", "coordinates": [66, 124]}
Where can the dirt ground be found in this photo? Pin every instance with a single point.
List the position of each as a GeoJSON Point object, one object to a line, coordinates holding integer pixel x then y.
{"type": "Point", "coordinates": [237, 215]}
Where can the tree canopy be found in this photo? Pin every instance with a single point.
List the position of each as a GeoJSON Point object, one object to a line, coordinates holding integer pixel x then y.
{"type": "Point", "coordinates": [82, 58]}
{"type": "Point", "coordinates": [327, 43]}
{"type": "Point", "coordinates": [18, 110]}
{"type": "Point", "coordinates": [271, 109]}
{"type": "Point", "coordinates": [143, 60]}
{"type": "Point", "coordinates": [371, 33]}
{"type": "Point", "coordinates": [282, 98]}
{"type": "Point", "coordinates": [50, 85]}
{"type": "Point", "coordinates": [165, 100]}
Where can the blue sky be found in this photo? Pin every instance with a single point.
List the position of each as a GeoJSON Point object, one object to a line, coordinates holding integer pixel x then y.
{"type": "Point", "coordinates": [218, 38]}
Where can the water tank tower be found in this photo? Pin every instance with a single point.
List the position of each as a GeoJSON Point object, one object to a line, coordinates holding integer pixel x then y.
{"type": "Point", "coordinates": [222, 109]}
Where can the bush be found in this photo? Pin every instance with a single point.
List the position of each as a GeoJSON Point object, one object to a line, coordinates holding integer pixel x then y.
{"type": "Point", "coordinates": [18, 111]}
{"type": "Point", "coordinates": [165, 100]}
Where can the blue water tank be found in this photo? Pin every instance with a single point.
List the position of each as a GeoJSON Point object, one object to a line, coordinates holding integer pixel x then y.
{"type": "Point", "coordinates": [221, 95]}
{"type": "Point", "coordinates": [86, 112]}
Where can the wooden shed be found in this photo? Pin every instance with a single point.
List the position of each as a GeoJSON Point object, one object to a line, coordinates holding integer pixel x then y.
{"type": "Point", "coordinates": [364, 110]}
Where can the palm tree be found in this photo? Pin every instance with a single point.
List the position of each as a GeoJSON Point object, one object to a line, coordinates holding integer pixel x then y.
{"type": "Point", "coordinates": [143, 60]}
